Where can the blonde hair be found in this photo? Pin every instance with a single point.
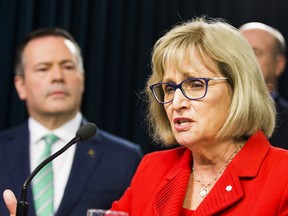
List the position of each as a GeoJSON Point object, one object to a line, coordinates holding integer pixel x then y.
{"type": "Point", "coordinates": [252, 107]}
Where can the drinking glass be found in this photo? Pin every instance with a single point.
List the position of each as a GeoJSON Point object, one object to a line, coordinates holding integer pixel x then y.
{"type": "Point", "coordinates": [102, 212]}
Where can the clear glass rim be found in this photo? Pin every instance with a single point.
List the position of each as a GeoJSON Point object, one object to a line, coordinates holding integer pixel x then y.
{"type": "Point", "coordinates": [107, 212]}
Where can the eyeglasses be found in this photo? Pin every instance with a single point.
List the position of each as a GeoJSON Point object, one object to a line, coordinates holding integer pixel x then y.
{"type": "Point", "coordinates": [192, 88]}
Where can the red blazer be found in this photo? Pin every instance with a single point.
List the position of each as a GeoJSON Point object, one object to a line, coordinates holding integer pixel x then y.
{"type": "Point", "coordinates": [257, 177]}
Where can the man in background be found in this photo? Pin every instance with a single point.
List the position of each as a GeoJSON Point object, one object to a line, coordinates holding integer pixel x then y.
{"type": "Point", "coordinates": [269, 47]}
{"type": "Point", "coordinates": [92, 174]}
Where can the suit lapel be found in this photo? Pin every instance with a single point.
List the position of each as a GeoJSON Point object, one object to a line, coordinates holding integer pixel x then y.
{"type": "Point", "coordinates": [169, 198]}
{"type": "Point", "coordinates": [226, 192]}
{"type": "Point", "coordinates": [18, 148]}
{"type": "Point", "coordinates": [171, 192]}
{"type": "Point", "coordinates": [86, 158]}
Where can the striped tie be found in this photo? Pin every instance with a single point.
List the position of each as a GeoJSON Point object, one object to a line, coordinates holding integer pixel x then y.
{"type": "Point", "coordinates": [43, 182]}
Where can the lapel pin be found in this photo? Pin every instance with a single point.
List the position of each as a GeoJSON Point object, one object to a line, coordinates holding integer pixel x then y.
{"type": "Point", "coordinates": [91, 153]}
{"type": "Point", "coordinates": [228, 188]}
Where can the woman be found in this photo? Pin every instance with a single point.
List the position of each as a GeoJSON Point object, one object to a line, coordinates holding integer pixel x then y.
{"type": "Point", "coordinates": [208, 95]}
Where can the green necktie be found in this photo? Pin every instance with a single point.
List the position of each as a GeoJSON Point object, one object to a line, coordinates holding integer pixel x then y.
{"type": "Point", "coordinates": [43, 182]}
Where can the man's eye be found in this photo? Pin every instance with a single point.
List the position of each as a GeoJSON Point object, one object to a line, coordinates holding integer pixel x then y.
{"type": "Point", "coordinates": [69, 67]}
{"type": "Point", "coordinates": [41, 69]}
{"type": "Point", "coordinates": [257, 52]}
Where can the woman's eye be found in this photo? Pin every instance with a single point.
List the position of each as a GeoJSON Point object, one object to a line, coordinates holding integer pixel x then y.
{"type": "Point", "coordinates": [195, 84]}
{"type": "Point", "coordinates": [169, 89]}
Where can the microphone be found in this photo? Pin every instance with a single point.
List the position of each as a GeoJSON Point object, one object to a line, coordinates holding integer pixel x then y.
{"type": "Point", "coordinates": [85, 132]}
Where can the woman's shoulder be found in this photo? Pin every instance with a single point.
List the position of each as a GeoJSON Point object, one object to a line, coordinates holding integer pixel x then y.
{"type": "Point", "coordinates": [159, 163]}
{"type": "Point", "coordinates": [163, 159]}
{"type": "Point", "coordinates": [176, 152]}
{"type": "Point", "coordinates": [277, 157]}
{"type": "Point", "coordinates": [276, 151]}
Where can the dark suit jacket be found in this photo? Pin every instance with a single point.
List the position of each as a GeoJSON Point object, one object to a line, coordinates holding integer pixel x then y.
{"type": "Point", "coordinates": [254, 183]}
{"type": "Point", "coordinates": [280, 135]}
{"type": "Point", "coordinates": [102, 169]}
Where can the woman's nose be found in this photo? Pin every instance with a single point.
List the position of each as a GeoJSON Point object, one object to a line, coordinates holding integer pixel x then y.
{"type": "Point", "coordinates": [179, 100]}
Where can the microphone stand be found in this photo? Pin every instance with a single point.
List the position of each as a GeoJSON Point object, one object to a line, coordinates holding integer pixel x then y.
{"type": "Point", "coordinates": [22, 205]}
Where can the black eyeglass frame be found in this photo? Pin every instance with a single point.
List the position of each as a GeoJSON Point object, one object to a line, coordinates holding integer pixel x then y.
{"type": "Point", "coordinates": [176, 86]}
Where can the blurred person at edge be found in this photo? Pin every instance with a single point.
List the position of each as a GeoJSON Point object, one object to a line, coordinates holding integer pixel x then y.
{"type": "Point", "coordinates": [269, 47]}
{"type": "Point", "coordinates": [50, 79]}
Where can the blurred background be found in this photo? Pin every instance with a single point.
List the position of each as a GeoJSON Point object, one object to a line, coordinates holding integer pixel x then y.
{"type": "Point", "coordinates": [116, 38]}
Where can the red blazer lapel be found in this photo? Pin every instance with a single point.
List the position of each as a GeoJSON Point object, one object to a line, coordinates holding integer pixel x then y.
{"type": "Point", "coordinates": [169, 198]}
{"type": "Point", "coordinates": [229, 189]}
{"type": "Point", "coordinates": [226, 192]}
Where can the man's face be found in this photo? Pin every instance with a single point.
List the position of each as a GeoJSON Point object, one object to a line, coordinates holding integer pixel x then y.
{"type": "Point", "coordinates": [53, 83]}
{"type": "Point", "coordinates": [262, 45]}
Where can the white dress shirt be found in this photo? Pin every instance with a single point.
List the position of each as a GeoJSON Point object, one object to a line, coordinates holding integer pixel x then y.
{"type": "Point", "coordinates": [63, 163]}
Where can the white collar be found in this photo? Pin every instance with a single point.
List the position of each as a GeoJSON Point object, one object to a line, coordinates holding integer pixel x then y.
{"type": "Point", "coordinates": [66, 132]}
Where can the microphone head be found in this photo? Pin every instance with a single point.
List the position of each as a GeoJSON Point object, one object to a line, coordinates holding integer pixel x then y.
{"type": "Point", "coordinates": [86, 131]}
